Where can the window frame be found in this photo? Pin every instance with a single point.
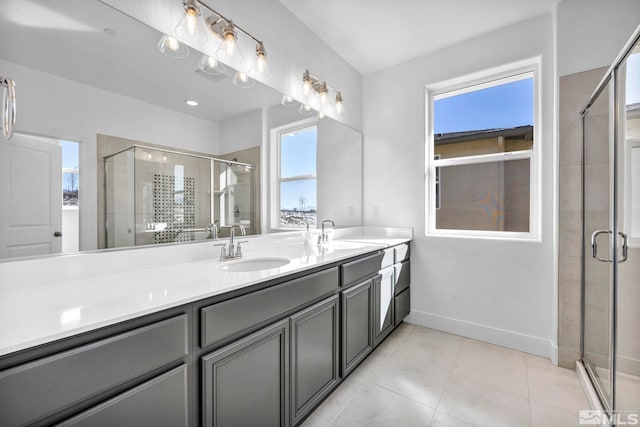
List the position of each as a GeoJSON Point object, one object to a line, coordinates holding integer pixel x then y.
{"type": "Point", "coordinates": [471, 83]}
{"type": "Point", "coordinates": [275, 170]}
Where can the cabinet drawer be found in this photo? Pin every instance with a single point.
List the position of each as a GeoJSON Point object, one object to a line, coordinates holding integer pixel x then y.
{"type": "Point", "coordinates": [38, 389]}
{"type": "Point", "coordinates": [403, 276]}
{"type": "Point", "coordinates": [159, 402]}
{"type": "Point", "coordinates": [228, 318]}
{"type": "Point", "coordinates": [355, 271]}
{"type": "Point", "coordinates": [402, 306]}
{"type": "Point", "coordinates": [402, 252]}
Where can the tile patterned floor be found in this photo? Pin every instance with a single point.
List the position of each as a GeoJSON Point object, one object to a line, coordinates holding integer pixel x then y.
{"type": "Point", "coordinates": [423, 377]}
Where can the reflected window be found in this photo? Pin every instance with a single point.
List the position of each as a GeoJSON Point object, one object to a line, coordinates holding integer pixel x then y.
{"type": "Point", "coordinates": [70, 172]}
{"type": "Point", "coordinates": [482, 150]}
{"type": "Point", "coordinates": [632, 136]}
{"type": "Point", "coordinates": [297, 186]}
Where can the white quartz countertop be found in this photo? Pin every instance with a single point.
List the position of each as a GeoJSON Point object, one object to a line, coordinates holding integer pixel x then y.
{"type": "Point", "coordinates": [43, 300]}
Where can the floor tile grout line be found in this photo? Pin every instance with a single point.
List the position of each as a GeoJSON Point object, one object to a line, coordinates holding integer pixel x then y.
{"type": "Point", "coordinates": [526, 360]}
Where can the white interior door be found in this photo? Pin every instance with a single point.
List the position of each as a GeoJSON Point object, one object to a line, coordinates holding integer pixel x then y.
{"type": "Point", "coordinates": [30, 197]}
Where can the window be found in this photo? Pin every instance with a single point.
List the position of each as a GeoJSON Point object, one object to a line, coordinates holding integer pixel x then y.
{"type": "Point", "coordinates": [482, 151]}
{"type": "Point", "coordinates": [297, 180]}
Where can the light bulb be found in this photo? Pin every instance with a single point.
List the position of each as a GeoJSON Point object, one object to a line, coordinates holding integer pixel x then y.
{"type": "Point", "coordinates": [260, 70]}
{"type": "Point", "coordinates": [242, 80]}
{"type": "Point", "coordinates": [191, 26]}
{"type": "Point", "coordinates": [172, 43]}
{"type": "Point", "coordinates": [229, 52]}
{"type": "Point", "coordinates": [339, 103]}
{"type": "Point", "coordinates": [306, 83]}
{"type": "Point", "coordinates": [305, 109]}
{"type": "Point", "coordinates": [210, 65]}
{"type": "Point", "coordinates": [172, 47]}
{"type": "Point", "coordinates": [324, 91]}
{"type": "Point", "coordinates": [287, 101]}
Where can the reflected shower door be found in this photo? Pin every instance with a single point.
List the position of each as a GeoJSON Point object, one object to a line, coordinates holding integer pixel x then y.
{"type": "Point", "coordinates": [627, 352]}
{"type": "Point", "coordinates": [597, 128]}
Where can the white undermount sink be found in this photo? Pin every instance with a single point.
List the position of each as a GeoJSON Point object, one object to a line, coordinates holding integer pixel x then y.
{"type": "Point", "coordinates": [254, 264]}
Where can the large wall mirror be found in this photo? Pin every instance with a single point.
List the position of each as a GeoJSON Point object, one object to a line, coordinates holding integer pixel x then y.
{"type": "Point", "coordinates": [110, 152]}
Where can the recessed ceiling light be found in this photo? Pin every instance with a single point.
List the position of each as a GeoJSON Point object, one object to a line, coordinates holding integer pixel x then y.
{"type": "Point", "coordinates": [110, 32]}
{"type": "Point", "coordinates": [191, 102]}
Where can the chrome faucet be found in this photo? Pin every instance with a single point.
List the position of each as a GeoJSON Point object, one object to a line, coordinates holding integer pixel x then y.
{"type": "Point", "coordinates": [233, 250]}
{"type": "Point", "coordinates": [212, 229]}
{"type": "Point", "coordinates": [324, 237]}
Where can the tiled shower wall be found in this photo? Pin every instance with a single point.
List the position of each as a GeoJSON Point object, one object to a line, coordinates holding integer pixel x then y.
{"type": "Point", "coordinates": [574, 91]}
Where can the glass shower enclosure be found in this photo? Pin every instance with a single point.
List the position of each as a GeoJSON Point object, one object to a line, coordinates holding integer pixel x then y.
{"type": "Point", "coordinates": [156, 196]}
{"type": "Point", "coordinates": [611, 232]}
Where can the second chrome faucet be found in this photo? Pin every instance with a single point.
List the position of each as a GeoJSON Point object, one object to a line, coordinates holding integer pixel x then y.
{"type": "Point", "coordinates": [234, 249]}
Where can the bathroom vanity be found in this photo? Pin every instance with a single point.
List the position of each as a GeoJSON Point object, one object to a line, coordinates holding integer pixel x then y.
{"type": "Point", "coordinates": [260, 347]}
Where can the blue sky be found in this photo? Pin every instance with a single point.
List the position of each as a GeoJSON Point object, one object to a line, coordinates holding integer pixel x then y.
{"type": "Point", "coordinates": [504, 106]}
{"type": "Point", "coordinates": [298, 152]}
{"type": "Point", "coordinates": [70, 154]}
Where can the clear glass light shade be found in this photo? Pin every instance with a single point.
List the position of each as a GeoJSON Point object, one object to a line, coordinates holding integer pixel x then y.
{"type": "Point", "coordinates": [287, 101]}
{"type": "Point", "coordinates": [242, 79]}
{"type": "Point", "coordinates": [339, 104]}
{"type": "Point", "coordinates": [191, 26]}
{"type": "Point", "coordinates": [260, 69]}
{"type": "Point", "coordinates": [306, 110]}
{"type": "Point", "coordinates": [172, 47]}
{"type": "Point", "coordinates": [211, 65]}
{"type": "Point", "coordinates": [229, 51]}
{"type": "Point", "coordinates": [306, 87]}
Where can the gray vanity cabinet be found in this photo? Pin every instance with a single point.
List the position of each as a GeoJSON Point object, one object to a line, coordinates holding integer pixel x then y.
{"type": "Point", "coordinates": [314, 356]}
{"type": "Point", "coordinates": [357, 324]}
{"type": "Point", "coordinates": [159, 402]}
{"type": "Point", "coordinates": [246, 383]}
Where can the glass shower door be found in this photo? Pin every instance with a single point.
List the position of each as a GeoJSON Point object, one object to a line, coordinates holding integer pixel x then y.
{"type": "Point", "coordinates": [627, 351]}
{"type": "Point", "coordinates": [597, 131]}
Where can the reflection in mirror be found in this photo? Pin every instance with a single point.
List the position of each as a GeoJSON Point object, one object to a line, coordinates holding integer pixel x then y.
{"type": "Point", "coordinates": [92, 76]}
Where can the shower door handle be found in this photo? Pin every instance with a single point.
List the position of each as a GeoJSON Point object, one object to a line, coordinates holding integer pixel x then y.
{"type": "Point", "coordinates": [9, 108]}
{"type": "Point", "coordinates": [625, 246]}
{"type": "Point", "coordinates": [594, 244]}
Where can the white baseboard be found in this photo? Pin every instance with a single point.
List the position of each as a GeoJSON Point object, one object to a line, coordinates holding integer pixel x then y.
{"type": "Point", "coordinates": [517, 341]}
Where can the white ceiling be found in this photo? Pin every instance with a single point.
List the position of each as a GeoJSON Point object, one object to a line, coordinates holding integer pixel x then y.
{"type": "Point", "coordinates": [376, 34]}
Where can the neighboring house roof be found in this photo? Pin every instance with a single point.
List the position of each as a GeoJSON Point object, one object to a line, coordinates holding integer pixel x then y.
{"type": "Point", "coordinates": [471, 135]}
{"type": "Point", "coordinates": [633, 110]}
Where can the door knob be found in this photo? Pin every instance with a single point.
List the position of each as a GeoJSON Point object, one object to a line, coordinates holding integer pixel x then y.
{"type": "Point", "coordinates": [57, 234]}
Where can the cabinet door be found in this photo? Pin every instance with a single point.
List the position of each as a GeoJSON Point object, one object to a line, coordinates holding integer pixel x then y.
{"type": "Point", "coordinates": [383, 305]}
{"type": "Point", "coordinates": [314, 356]}
{"type": "Point", "coordinates": [159, 402]}
{"type": "Point", "coordinates": [357, 324]}
{"type": "Point", "coordinates": [246, 382]}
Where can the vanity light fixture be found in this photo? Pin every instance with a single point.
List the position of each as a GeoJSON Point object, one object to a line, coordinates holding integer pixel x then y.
{"type": "Point", "coordinates": [229, 51]}
{"type": "Point", "coordinates": [191, 26]}
{"type": "Point", "coordinates": [317, 94]}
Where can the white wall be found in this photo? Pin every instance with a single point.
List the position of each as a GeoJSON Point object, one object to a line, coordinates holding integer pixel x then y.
{"type": "Point", "coordinates": [591, 33]}
{"type": "Point", "coordinates": [291, 46]}
{"type": "Point", "coordinates": [55, 107]}
{"type": "Point", "coordinates": [499, 291]}
{"type": "Point", "coordinates": [241, 132]}
{"type": "Point", "coordinates": [339, 172]}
